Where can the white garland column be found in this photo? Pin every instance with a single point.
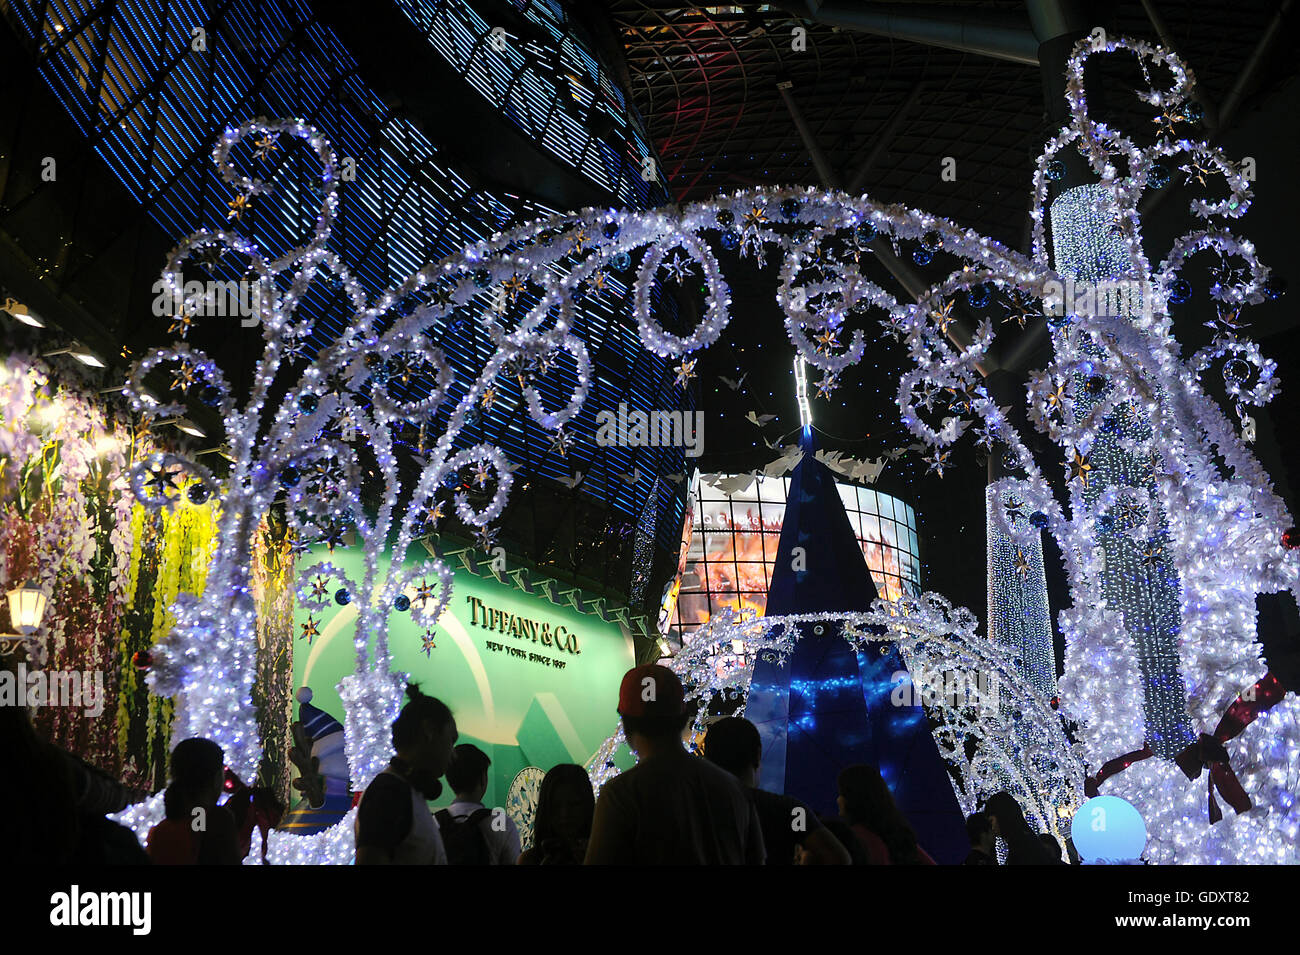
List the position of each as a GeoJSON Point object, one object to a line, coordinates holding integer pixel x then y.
{"type": "Point", "coordinates": [1138, 578]}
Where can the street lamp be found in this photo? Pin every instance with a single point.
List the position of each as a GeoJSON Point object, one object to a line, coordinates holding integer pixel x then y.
{"type": "Point", "coordinates": [27, 604]}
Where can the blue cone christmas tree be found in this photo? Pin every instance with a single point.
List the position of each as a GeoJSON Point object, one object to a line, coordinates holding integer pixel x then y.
{"type": "Point", "coordinates": [830, 706]}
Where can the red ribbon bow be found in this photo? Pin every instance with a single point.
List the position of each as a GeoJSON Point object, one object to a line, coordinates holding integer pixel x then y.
{"type": "Point", "coordinates": [1209, 750]}
{"type": "Point", "coordinates": [1113, 766]}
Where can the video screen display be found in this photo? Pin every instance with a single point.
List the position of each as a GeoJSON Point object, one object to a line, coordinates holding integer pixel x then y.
{"type": "Point", "coordinates": [734, 537]}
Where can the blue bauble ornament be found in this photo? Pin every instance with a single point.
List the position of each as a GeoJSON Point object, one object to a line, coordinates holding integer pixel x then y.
{"type": "Point", "coordinates": [865, 234]}
{"type": "Point", "coordinates": [450, 480]}
{"type": "Point", "coordinates": [932, 241]}
{"type": "Point", "coordinates": [342, 597]}
{"type": "Point", "coordinates": [1055, 170]}
{"type": "Point", "coordinates": [289, 477]}
{"type": "Point", "coordinates": [1158, 176]}
{"type": "Point", "coordinates": [801, 236]}
{"type": "Point", "coordinates": [1108, 828]}
{"type": "Point", "coordinates": [210, 396]}
{"type": "Point", "coordinates": [473, 416]}
{"type": "Point", "coordinates": [1180, 290]}
{"type": "Point", "coordinates": [730, 239]}
{"type": "Point", "coordinates": [1038, 519]}
{"type": "Point", "coordinates": [198, 493]}
{"type": "Point", "coordinates": [402, 603]}
{"type": "Point", "coordinates": [1194, 112]}
{"type": "Point", "coordinates": [612, 230]}
{"type": "Point", "coordinates": [1058, 321]}
{"type": "Point", "coordinates": [577, 294]}
{"type": "Point", "coordinates": [790, 208]}
{"type": "Point", "coordinates": [726, 217]}
{"type": "Point", "coordinates": [1106, 523]}
{"type": "Point", "coordinates": [621, 261]}
{"type": "Point", "coordinates": [979, 296]}
{"type": "Point", "coordinates": [921, 255]}
{"type": "Point", "coordinates": [482, 278]}
{"type": "Point", "coordinates": [308, 403]}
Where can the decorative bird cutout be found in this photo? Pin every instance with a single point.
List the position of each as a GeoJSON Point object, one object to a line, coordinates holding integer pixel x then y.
{"type": "Point", "coordinates": [868, 471]}
{"type": "Point", "coordinates": [732, 383]}
{"type": "Point", "coordinates": [675, 478]}
{"type": "Point", "coordinates": [760, 419]}
{"type": "Point", "coordinates": [572, 480]}
{"type": "Point", "coordinates": [632, 477]}
{"type": "Point", "coordinates": [736, 483]}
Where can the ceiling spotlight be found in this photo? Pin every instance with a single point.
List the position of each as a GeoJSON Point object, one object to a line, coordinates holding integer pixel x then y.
{"type": "Point", "coordinates": [79, 352]}
{"type": "Point", "coordinates": [17, 310]}
{"type": "Point", "coordinates": [223, 451]}
{"type": "Point", "coordinates": [183, 424]}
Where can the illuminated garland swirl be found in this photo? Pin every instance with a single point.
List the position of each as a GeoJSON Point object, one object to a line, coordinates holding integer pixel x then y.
{"type": "Point", "coordinates": [1022, 740]}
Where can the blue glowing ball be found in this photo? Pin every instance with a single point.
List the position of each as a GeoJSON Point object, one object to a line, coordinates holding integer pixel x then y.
{"type": "Point", "coordinates": [1158, 176]}
{"type": "Point", "coordinates": [289, 477]}
{"type": "Point", "coordinates": [482, 278]}
{"type": "Point", "coordinates": [621, 261]}
{"type": "Point", "coordinates": [865, 234]}
{"type": "Point", "coordinates": [979, 296]}
{"type": "Point", "coordinates": [1194, 112]}
{"type": "Point", "coordinates": [921, 255]}
{"type": "Point", "coordinates": [1106, 523]}
{"type": "Point", "coordinates": [308, 403]}
{"type": "Point", "coordinates": [342, 598]}
{"type": "Point", "coordinates": [1109, 828]}
{"type": "Point", "coordinates": [1180, 290]}
{"type": "Point", "coordinates": [1039, 520]}
{"type": "Point", "coordinates": [611, 230]}
{"type": "Point", "coordinates": [1055, 170]}
{"type": "Point", "coordinates": [730, 239]}
{"type": "Point", "coordinates": [402, 603]}
{"type": "Point", "coordinates": [790, 208]}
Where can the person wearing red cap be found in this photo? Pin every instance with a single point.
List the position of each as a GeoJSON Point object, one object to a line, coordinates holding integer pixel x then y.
{"type": "Point", "coordinates": [672, 808]}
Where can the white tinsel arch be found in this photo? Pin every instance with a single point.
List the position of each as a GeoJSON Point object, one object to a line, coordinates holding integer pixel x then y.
{"type": "Point", "coordinates": [1224, 519]}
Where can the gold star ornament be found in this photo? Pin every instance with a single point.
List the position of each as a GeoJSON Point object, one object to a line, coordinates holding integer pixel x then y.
{"type": "Point", "coordinates": [1080, 468]}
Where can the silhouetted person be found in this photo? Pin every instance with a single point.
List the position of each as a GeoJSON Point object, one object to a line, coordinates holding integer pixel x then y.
{"type": "Point", "coordinates": [195, 830]}
{"type": "Point", "coordinates": [53, 812]}
{"type": "Point", "coordinates": [844, 836]}
{"type": "Point", "coordinates": [734, 744]}
{"type": "Point", "coordinates": [672, 808]}
{"type": "Point", "coordinates": [562, 826]}
{"type": "Point", "coordinates": [983, 844]}
{"type": "Point", "coordinates": [472, 833]}
{"type": "Point", "coordinates": [394, 825]}
{"type": "Point", "coordinates": [1023, 844]}
{"type": "Point", "coordinates": [1052, 846]}
{"type": "Point", "coordinates": [867, 805]}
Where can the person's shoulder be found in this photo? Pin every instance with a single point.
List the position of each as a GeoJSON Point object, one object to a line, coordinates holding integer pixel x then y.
{"type": "Point", "coordinates": [716, 773]}
{"type": "Point", "coordinates": [386, 786]}
{"type": "Point", "coordinates": [782, 804]}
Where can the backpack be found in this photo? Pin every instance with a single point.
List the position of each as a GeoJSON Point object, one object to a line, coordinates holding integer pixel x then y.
{"type": "Point", "coordinates": [464, 839]}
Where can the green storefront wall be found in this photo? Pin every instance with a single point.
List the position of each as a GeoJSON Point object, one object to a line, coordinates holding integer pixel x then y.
{"type": "Point", "coordinates": [517, 708]}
